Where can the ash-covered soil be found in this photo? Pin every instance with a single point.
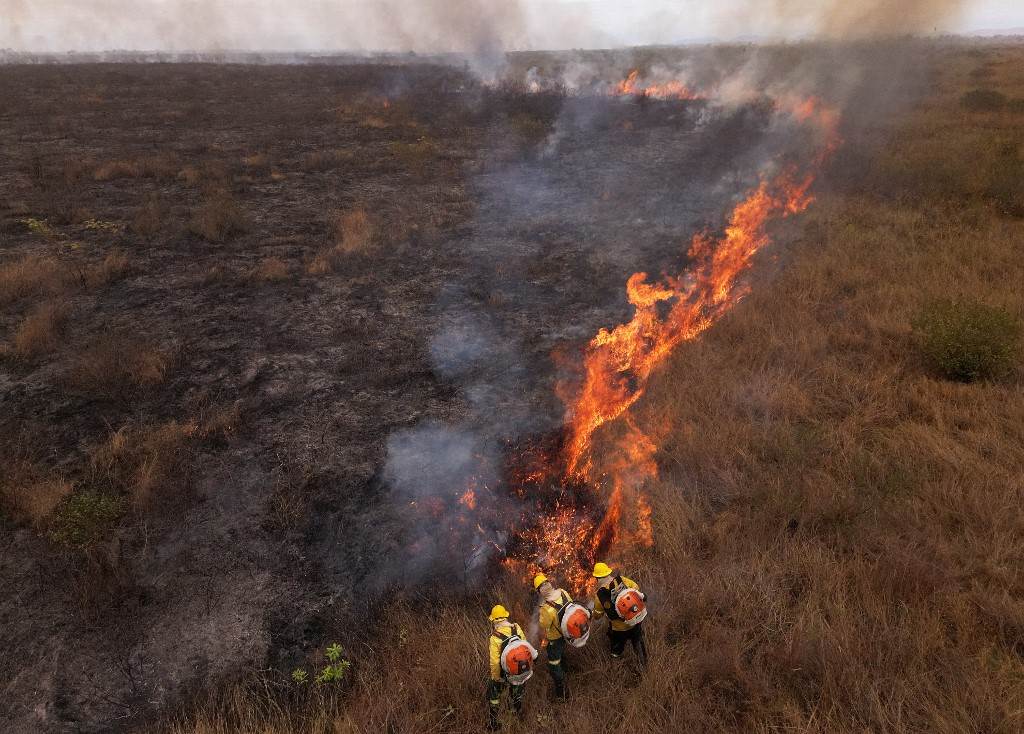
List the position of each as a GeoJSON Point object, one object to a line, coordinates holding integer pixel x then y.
{"type": "Point", "coordinates": [497, 227]}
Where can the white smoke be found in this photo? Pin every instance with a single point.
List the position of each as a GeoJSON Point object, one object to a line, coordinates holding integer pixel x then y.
{"type": "Point", "coordinates": [481, 28]}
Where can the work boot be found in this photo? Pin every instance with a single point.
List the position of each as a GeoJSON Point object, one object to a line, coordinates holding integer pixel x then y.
{"type": "Point", "coordinates": [561, 694]}
{"type": "Point", "coordinates": [492, 722]}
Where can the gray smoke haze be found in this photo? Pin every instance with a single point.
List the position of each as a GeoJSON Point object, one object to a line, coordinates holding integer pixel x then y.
{"type": "Point", "coordinates": [478, 27]}
{"type": "Point", "coordinates": [481, 28]}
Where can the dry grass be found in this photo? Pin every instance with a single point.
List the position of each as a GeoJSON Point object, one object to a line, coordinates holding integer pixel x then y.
{"type": "Point", "coordinates": [839, 535]}
{"type": "Point", "coordinates": [115, 365]}
{"type": "Point", "coordinates": [149, 218]}
{"type": "Point", "coordinates": [39, 332]}
{"type": "Point", "coordinates": [114, 266]}
{"type": "Point", "coordinates": [28, 276]}
{"type": "Point", "coordinates": [324, 160]}
{"type": "Point", "coordinates": [218, 217]}
{"type": "Point", "coordinates": [352, 232]}
{"type": "Point", "coordinates": [416, 157]}
{"type": "Point", "coordinates": [140, 461]}
{"type": "Point", "coordinates": [270, 270]}
{"type": "Point", "coordinates": [154, 166]}
{"type": "Point", "coordinates": [27, 495]}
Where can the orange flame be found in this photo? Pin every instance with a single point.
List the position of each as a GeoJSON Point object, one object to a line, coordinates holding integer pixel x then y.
{"type": "Point", "coordinates": [630, 86]}
{"type": "Point", "coordinates": [618, 363]}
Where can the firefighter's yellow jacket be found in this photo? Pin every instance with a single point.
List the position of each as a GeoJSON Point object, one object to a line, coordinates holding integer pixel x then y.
{"type": "Point", "coordinates": [549, 616]}
{"type": "Point", "coordinates": [617, 625]}
{"type": "Point", "coordinates": [506, 628]}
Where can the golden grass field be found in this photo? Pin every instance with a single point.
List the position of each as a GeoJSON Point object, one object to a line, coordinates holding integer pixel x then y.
{"type": "Point", "coordinates": [839, 531]}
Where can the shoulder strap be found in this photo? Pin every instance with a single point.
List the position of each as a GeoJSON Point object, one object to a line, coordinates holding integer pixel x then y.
{"type": "Point", "coordinates": [502, 637]}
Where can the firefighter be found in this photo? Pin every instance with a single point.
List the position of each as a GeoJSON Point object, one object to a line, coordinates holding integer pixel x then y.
{"type": "Point", "coordinates": [506, 635]}
{"type": "Point", "coordinates": [626, 619]}
{"type": "Point", "coordinates": [551, 600]}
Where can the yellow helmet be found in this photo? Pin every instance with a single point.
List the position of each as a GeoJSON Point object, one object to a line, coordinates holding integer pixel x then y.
{"type": "Point", "coordinates": [601, 570]}
{"type": "Point", "coordinates": [499, 612]}
{"type": "Point", "coordinates": [538, 580]}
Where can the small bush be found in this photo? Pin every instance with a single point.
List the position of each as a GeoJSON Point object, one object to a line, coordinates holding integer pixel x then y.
{"type": "Point", "coordinates": [983, 100]}
{"type": "Point", "coordinates": [40, 330]}
{"type": "Point", "coordinates": [218, 218]}
{"type": "Point", "coordinates": [968, 341]}
{"type": "Point", "coordinates": [84, 518]}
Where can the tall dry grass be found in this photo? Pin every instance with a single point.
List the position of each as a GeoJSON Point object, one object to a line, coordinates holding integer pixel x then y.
{"type": "Point", "coordinates": [28, 276]}
{"type": "Point", "coordinates": [39, 332]}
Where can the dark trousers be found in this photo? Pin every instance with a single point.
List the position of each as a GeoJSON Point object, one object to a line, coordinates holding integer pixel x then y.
{"type": "Point", "coordinates": [494, 690]}
{"type": "Point", "coordinates": [556, 665]}
{"type": "Point", "coordinates": [635, 636]}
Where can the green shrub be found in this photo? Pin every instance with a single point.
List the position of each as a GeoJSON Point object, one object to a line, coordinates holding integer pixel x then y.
{"type": "Point", "coordinates": [334, 672]}
{"type": "Point", "coordinates": [983, 100]}
{"type": "Point", "coordinates": [968, 341]}
{"type": "Point", "coordinates": [84, 518]}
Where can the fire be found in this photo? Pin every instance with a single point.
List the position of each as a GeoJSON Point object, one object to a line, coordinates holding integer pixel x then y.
{"type": "Point", "coordinates": [619, 362]}
{"type": "Point", "coordinates": [580, 500]}
{"type": "Point", "coordinates": [630, 86]}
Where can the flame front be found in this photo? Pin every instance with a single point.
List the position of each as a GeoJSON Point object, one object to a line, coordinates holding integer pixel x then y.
{"type": "Point", "coordinates": [631, 86]}
{"type": "Point", "coordinates": [579, 499]}
{"type": "Point", "coordinates": [619, 362]}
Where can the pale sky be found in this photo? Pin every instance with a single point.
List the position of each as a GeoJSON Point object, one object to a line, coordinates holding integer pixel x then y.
{"type": "Point", "coordinates": [431, 25]}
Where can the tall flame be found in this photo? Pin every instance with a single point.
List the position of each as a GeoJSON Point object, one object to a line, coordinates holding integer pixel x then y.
{"type": "Point", "coordinates": [618, 363]}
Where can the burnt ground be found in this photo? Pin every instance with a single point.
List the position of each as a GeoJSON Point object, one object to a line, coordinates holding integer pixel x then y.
{"type": "Point", "coordinates": [502, 227]}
